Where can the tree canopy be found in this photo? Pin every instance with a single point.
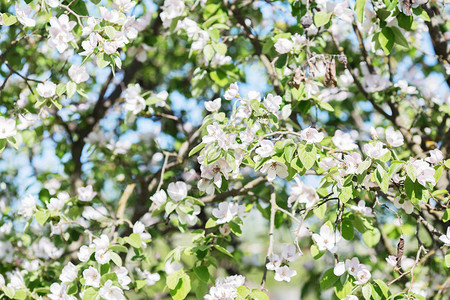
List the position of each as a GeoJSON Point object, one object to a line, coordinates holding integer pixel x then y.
{"type": "Point", "coordinates": [224, 149]}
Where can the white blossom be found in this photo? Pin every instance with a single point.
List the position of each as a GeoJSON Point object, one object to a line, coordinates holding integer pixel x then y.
{"type": "Point", "coordinates": [393, 137]}
{"type": "Point", "coordinates": [290, 253]}
{"type": "Point", "coordinates": [69, 273]}
{"type": "Point", "coordinates": [435, 157]}
{"type": "Point", "coordinates": [344, 141]}
{"type": "Point", "coordinates": [227, 211]}
{"type": "Point", "coordinates": [265, 148]}
{"type": "Point", "coordinates": [23, 15]}
{"type": "Point", "coordinates": [7, 127]}
{"type": "Point", "coordinates": [391, 260]}
{"type": "Point", "coordinates": [363, 209]}
{"type": "Point", "coordinates": [139, 228]}
{"type": "Point", "coordinates": [283, 46]}
{"type": "Point", "coordinates": [46, 89]}
{"type": "Point", "coordinates": [405, 204]}
{"type": "Point", "coordinates": [274, 262]}
{"type": "Point", "coordinates": [122, 277]}
{"type": "Point", "coordinates": [339, 269]}
{"type": "Point", "coordinates": [362, 277]}
{"type": "Point", "coordinates": [327, 239]}
{"type": "Point", "coordinates": [273, 168]}
{"type": "Point", "coordinates": [111, 292]}
{"type": "Point", "coordinates": [311, 135]}
{"type": "Point", "coordinates": [60, 32]}
{"type": "Point", "coordinates": [158, 199]}
{"type": "Point", "coordinates": [213, 105]}
{"type": "Point", "coordinates": [78, 74]}
{"type": "Point", "coordinates": [86, 194]}
{"type": "Point", "coordinates": [91, 277]}
{"type": "Point", "coordinates": [150, 278]}
{"type": "Point", "coordinates": [133, 101]}
{"type": "Point", "coordinates": [232, 92]}
{"type": "Point", "coordinates": [177, 190]}
{"type": "Point", "coordinates": [424, 173]}
{"type": "Point", "coordinates": [343, 12]}
{"type": "Point", "coordinates": [84, 253]}
{"type": "Point", "coordinates": [102, 256]}
{"type": "Point", "coordinates": [302, 193]}
{"type": "Point", "coordinates": [272, 103]}
{"type": "Point", "coordinates": [27, 206]}
{"type": "Point", "coordinates": [445, 238]}
{"type": "Point", "coordinates": [375, 151]}
{"type": "Point", "coordinates": [284, 274]}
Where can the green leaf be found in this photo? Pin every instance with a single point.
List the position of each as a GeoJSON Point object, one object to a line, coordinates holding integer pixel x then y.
{"type": "Point", "coordinates": [243, 291]}
{"type": "Point", "coordinates": [405, 21]}
{"type": "Point", "coordinates": [346, 193]}
{"type": "Point", "coordinates": [90, 294]}
{"type": "Point", "coordinates": [410, 171]}
{"type": "Point", "coordinates": [415, 191]}
{"type": "Point", "coordinates": [221, 48]}
{"type": "Point", "coordinates": [8, 19]}
{"type": "Point", "coordinates": [342, 290]}
{"type": "Point", "coordinates": [386, 39]}
{"type": "Point", "coordinates": [219, 77]}
{"type": "Point", "coordinates": [383, 286]}
{"type": "Point", "coordinates": [110, 32]}
{"type": "Point", "coordinates": [202, 273]}
{"type": "Point", "coordinates": [210, 223]}
{"type": "Point", "coordinates": [9, 291]}
{"type": "Point", "coordinates": [71, 88]}
{"type": "Point", "coordinates": [447, 163]}
{"type": "Point", "coordinates": [447, 260]}
{"type": "Point", "coordinates": [289, 152]}
{"type": "Point", "coordinates": [41, 216]}
{"type": "Point", "coordinates": [20, 294]}
{"type": "Point", "coordinates": [2, 144]}
{"type": "Point", "coordinates": [108, 276]}
{"type": "Point", "coordinates": [315, 252]}
{"type": "Point", "coordinates": [140, 283]}
{"type": "Point", "coordinates": [328, 279]}
{"type": "Point", "coordinates": [325, 106]}
{"type": "Point", "coordinates": [60, 89]}
{"type": "Point", "coordinates": [73, 288]}
{"type": "Point", "coordinates": [208, 51]}
{"type": "Point", "coordinates": [173, 279]}
{"type": "Point", "coordinates": [170, 207]}
{"type": "Point", "coordinates": [258, 295]}
{"type": "Point", "coordinates": [118, 248]}
{"type": "Point", "coordinates": [223, 250]}
{"type": "Point", "coordinates": [446, 216]}
{"type": "Point", "coordinates": [438, 173]}
{"type": "Point", "coordinates": [367, 291]}
{"type": "Point", "coordinates": [235, 228]}
{"type": "Point", "coordinates": [364, 165]}
{"type": "Point", "coordinates": [320, 211]}
{"type": "Point", "coordinates": [359, 7]}
{"type": "Point", "coordinates": [419, 11]}
{"type": "Point", "coordinates": [134, 240]}
{"type": "Point", "coordinates": [371, 237]}
{"type": "Point", "coordinates": [321, 18]}
{"type": "Point", "coordinates": [182, 289]}
{"type": "Point", "coordinates": [347, 230]}
{"type": "Point", "coordinates": [399, 37]}
{"type": "Point", "coordinates": [101, 61]}
{"type": "Point", "coordinates": [382, 178]}
{"type": "Point", "coordinates": [307, 154]}
{"type": "Point", "coordinates": [116, 259]}
{"type": "Point", "coordinates": [196, 149]}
